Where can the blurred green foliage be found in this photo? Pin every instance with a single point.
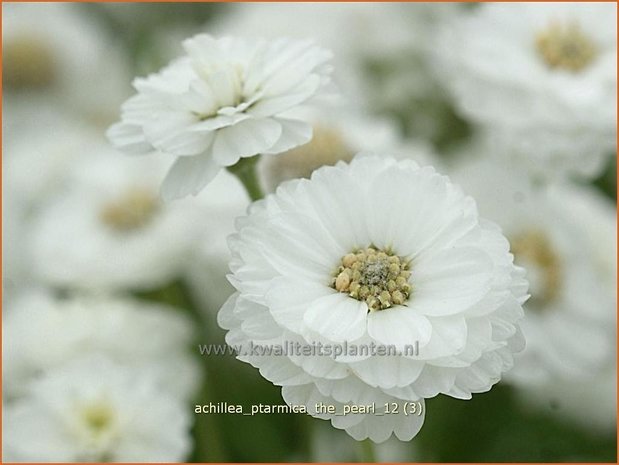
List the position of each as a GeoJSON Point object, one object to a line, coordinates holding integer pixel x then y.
{"type": "Point", "coordinates": [496, 427]}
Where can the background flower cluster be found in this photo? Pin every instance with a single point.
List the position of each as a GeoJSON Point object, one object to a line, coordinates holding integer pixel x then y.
{"type": "Point", "coordinates": [108, 290]}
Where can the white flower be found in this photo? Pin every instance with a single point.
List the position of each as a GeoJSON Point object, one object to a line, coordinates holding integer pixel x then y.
{"type": "Point", "coordinates": [16, 271]}
{"type": "Point", "coordinates": [42, 333]}
{"type": "Point", "coordinates": [540, 77]}
{"type": "Point", "coordinates": [96, 410]}
{"type": "Point", "coordinates": [226, 99]}
{"type": "Point", "coordinates": [108, 229]}
{"type": "Point", "coordinates": [565, 237]}
{"type": "Point", "coordinates": [338, 135]}
{"type": "Point", "coordinates": [383, 252]}
{"type": "Point", "coordinates": [590, 403]}
{"type": "Point", "coordinates": [381, 71]}
{"type": "Point", "coordinates": [53, 55]}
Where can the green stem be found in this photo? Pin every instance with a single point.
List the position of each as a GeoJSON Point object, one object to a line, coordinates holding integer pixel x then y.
{"type": "Point", "coordinates": [245, 171]}
{"type": "Point", "coordinates": [208, 446]}
{"type": "Point", "coordinates": [366, 451]}
{"type": "Point", "coordinates": [306, 430]}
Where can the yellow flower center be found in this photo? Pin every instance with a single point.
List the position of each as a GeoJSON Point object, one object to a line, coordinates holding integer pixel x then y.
{"type": "Point", "coordinates": [565, 47]}
{"type": "Point", "coordinates": [326, 148]}
{"type": "Point", "coordinates": [133, 210]}
{"type": "Point", "coordinates": [533, 248]}
{"type": "Point", "coordinates": [28, 63]}
{"type": "Point", "coordinates": [377, 277]}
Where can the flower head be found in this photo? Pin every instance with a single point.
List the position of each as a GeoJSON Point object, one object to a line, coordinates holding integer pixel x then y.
{"type": "Point", "coordinates": [104, 230]}
{"type": "Point", "coordinates": [376, 252]}
{"type": "Point", "coordinates": [564, 236]}
{"type": "Point", "coordinates": [225, 100]}
{"type": "Point", "coordinates": [96, 410]}
{"type": "Point", "coordinates": [148, 338]}
{"type": "Point", "coordinates": [544, 88]}
{"type": "Point", "coordinates": [53, 55]}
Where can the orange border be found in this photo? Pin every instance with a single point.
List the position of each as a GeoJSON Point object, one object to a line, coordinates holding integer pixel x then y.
{"type": "Point", "coordinates": [276, 1]}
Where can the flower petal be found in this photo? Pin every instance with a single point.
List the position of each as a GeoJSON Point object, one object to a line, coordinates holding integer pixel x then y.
{"type": "Point", "coordinates": [294, 133]}
{"type": "Point", "coordinates": [337, 317]}
{"type": "Point", "coordinates": [245, 139]}
{"type": "Point", "coordinates": [399, 326]}
{"type": "Point", "coordinates": [129, 138]}
{"type": "Point", "coordinates": [170, 132]}
{"type": "Point", "coordinates": [188, 175]}
{"type": "Point", "coordinates": [450, 281]}
{"type": "Point", "coordinates": [288, 301]}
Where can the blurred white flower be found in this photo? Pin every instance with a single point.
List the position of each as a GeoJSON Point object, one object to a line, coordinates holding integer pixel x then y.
{"type": "Point", "coordinates": [337, 136]}
{"type": "Point", "coordinates": [16, 271]}
{"type": "Point", "coordinates": [42, 333]}
{"type": "Point", "coordinates": [540, 77]}
{"type": "Point", "coordinates": [96, 410]}
{"type": "Point", "coordinates": [226, 99]}
{"type": "Point", "coordinates": [108, 229]}
{"type": "Point", "coordinates": [53, 54]}
{"type": "Point", "coordinates": [590, 403]}
{"type": "Point", "coordinates": [383, 252]}
{"type": "Point", "coordinates": [564, 236]}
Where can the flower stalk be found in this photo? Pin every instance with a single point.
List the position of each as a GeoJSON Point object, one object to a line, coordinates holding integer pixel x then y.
{"type": "Point", "coordinates": [366, 451]}
{"type": "Point", "coordinates": [245, 171]}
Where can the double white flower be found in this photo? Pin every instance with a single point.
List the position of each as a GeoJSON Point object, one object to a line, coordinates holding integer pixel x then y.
{"type": "Point", "coordinates": [381, 252]}
{"type": "Point", "coordinates": [226, 100]}
{"type": "Point", "coordinates": [540, 78]}
{"type": "Point", "coordinates": [96, 379]}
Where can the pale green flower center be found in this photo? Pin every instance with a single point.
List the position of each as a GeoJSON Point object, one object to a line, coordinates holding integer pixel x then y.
{"type": "Point", "coordinates": [97, 430]}
{"type": "Point", "coordinates": [27, 63]}
{"type": "Point", "coordinates": [133, 210]}
{"type": "Point", "coordinates": [533, 248]}
{"type": "Point", "coordinates": [565, 46]}
{"type": "Point", "coordinates": [98, 418]}
{"type": "Point", "coordinates": [374, 276]}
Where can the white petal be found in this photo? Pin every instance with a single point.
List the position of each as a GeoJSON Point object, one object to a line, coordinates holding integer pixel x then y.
{"type": "Point", "coordinates": [294, 133]}
{"type": "Point", "coordinates": [282, 102]}
{"type": "Point", "coordinates": [449, 281]}
{"type": "Point", "coordinates": [129, 138]}
{"type": "Point", "coordinates": [188, 175]}
{"type": "Point", "coordinates": [379, 428]}
{"type": "Point", "coordinates": [279, 370]}
{"type": "Point", "coordinates": [205, 50]}
{"type": "Point", "coordinates": [337, 317]}
{"type": "Point", "coordinates": [260, 327]}
{"type": "Point", "coordinates": [245, 139]}
{"type": "Point", "coordinates": [218, 122]}
{"type": "Point", "coordinates": [170, 132]}
{"type": "Point", "coordinates": [434, 380]}
{"type": "Point", "coordinates": [448, 337]}
{"type": "Point", "coordinates": [317, 365]}
{"type": "Point", "coordinates": [388, 371]}
{"type": "Point", "coordinates": [225, 316]}
{"type": "Point", "coordinates": [288, 301]}
{"type": "Point", "coordinates": [425, 211]}
{"type": "Point", "coordinates": [309, 396]}
{"type": "Point", "coordinates": [399, 326]}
